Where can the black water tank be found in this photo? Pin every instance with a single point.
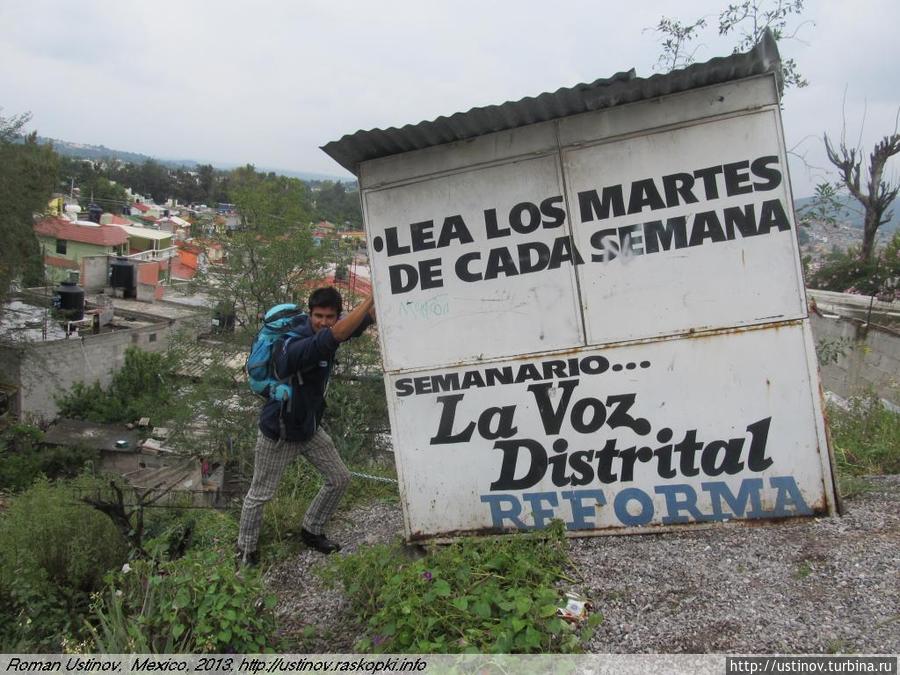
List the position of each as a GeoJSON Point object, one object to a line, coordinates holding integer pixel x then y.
{"type": "Point", "coordinates": [94, 213]}
{"type": "Point", "coordinates": [122, 273]}
{"type": "Point", "coordinates": [68, 300]}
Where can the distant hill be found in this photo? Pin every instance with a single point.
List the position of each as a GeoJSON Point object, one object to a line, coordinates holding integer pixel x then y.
{"type": "Point", "coordinates": [97, 152]}
{"type": "Point", "coordinates": [82, 151]}
{"type": "Point", "coordinates": [851, 212]}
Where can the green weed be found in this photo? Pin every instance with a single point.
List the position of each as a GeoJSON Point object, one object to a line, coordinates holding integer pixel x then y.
{"type": "Point", "coordinates": [865, 438]}
{"type": "Point", "coordinates": [475, 596]}
{"type": "Point", "coordinates": [199, 603]}
{"type": "Point", "coordinates": [851, 486]}
{"type": "Point", "coordinates": [804, 569]}
{"type": "Point", "coordinates": [837, 646]}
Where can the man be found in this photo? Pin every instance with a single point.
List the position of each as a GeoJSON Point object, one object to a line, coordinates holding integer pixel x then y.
{"type": "Point", "coordinates": [285, 432]}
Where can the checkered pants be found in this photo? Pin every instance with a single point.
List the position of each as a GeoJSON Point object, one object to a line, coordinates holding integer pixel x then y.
{"type": "Point", "coordinates": [271, 459]}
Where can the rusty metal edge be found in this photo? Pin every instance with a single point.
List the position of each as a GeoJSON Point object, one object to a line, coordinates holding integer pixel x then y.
{"type": "Point", "coordinates": [452, 537]}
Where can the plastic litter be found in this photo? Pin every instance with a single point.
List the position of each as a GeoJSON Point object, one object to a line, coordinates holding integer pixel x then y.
{"type": "Point", "coordinates": [576, 609]}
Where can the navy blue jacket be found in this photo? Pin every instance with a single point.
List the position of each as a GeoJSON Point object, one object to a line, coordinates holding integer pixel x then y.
{"type": "Point", "coordinates": [311, 355]}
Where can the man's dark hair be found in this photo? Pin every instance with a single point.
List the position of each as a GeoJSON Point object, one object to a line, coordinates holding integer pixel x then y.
{"type": "Point", "coordinates": [326, 297]}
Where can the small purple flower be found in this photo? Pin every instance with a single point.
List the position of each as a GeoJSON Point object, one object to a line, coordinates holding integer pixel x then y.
{"type": "Point", "coordinates": [426, 575]}
{"type": "Point", "coordinates": [377, 639]}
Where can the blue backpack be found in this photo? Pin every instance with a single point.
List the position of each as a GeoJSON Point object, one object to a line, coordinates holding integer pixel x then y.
{"type": "Point", "coordinates": [277, 324]}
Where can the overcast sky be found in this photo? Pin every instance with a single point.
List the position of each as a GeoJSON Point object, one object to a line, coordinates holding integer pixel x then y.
{"type": "Point", "coordinates": [268, 82]}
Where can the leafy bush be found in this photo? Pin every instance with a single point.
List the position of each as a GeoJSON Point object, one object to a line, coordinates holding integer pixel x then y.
{"type": "Point", "coordinates": [53, 554]}
{"type": "Point", "coordinates": [22, 459]}
{"type": "Point", "coordinates": [170, 533]}
{"type": "Point", "coordinates": [198, 603]}
{"type": "Point", "coordinates": [844, 272]}
{"type": "Point", "coordinates": [143, 383]}
{"type": "Point", "coordinates": [475, 596]}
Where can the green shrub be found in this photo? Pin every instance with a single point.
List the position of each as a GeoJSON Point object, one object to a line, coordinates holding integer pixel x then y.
{"type": "Point", "coordinates": [53, 554]}
{"type": "Point", "coordinates": [143, 383]}
{"type": "Point", "coordinates": [495, 595]}
{"type": "Point", "coordinates": [22, 459]}
{"type": "Point", "coordinates": [843, 271]}
{"type": "Point", "coordinates": [170, 533]}
{"type": "Point", "coordinates": [831, 349]}
{"type": "Point", "coordinates": [198, 603]}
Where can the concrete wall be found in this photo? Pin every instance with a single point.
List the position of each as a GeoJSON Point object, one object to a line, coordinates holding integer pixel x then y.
{"type": "Point", "coordinates": [94, 273]}
{"type": "Point", "coordinates": [95, 277]}
{"type": "Point", "coordinates": [89, 259]}
{"type": "Point", "coordinates": [43, 370]}
{"type": "Point", "coordinates": [75, 250]}
{"type": "Point", "coordinates": [48, 369]}
{"type": "Point", "coordinates": [870, 358]}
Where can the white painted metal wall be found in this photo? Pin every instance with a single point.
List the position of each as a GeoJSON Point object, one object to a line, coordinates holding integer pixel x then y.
{"type": "Point", "coordinates": [638, 263]}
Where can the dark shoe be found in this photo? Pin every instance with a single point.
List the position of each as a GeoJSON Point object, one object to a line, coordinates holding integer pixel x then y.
{"type": "Point", "coordinates": [319, 542]}
{"type": "Point", "coordinates": [248, 559]}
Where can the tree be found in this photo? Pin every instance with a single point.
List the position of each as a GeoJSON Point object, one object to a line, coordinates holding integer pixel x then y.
{"type": "Point", "coordinates": [675, 38]}
{"type": "Point", "coordinates": [206, 180]}
{"type": "Point", "coordinates": [751, 18]}
{"type": "Point", "coordinates": [105, 193]}
{"type": "Point", "coordinates": [186, 187]}
{"type": "Point", "coordinates": [94, 183]}
{"type": "Point", "coordinates": [335, 203]}
{"type": "Point", "coordinates": [748, 19]}
{"type": "Point", "coordinates": [155, 181]}
{"type": "Point", "coordinates": [27, 177]}
{"type": "Point", "coordinates": [272, 256]}
{"type": "Point", "coordinates": [879, 193]}
{"type": "Point", "coordinates": [271, 259]}
{"type": "Point", "coordinates": [824, 208]}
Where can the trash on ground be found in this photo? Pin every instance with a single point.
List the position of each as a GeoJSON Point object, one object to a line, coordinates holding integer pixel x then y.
{"type": "Point", "coordinates": [576, 609]}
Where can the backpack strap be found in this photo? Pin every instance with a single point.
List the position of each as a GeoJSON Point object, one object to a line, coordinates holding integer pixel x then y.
{"type": "Point", "coordinates": [286, 403]}
{"type": "Point", "coordinates": [283, 344]}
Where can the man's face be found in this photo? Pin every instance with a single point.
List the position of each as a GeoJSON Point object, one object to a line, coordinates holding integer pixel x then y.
{"type": "Point", "coordinates": [322, 317]}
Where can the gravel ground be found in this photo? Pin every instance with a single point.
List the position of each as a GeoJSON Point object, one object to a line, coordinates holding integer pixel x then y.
{"type": "Point", "coordinates": [815, 586]}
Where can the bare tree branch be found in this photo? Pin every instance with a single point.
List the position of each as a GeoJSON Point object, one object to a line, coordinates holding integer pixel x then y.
{"type": "Point", "coordinates": [879, 194]}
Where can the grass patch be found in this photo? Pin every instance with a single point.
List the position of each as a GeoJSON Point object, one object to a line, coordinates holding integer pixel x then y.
{"type": "Point", "coordinates": [804, 569]}
{"type": "Point", "coordinates": [866, 437]}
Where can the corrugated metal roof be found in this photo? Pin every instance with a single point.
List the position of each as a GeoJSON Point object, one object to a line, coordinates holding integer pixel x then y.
{"type": "Point", "coordinates": [621, 88]}
{"type": "Point", "coordinates": [196, 359]}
